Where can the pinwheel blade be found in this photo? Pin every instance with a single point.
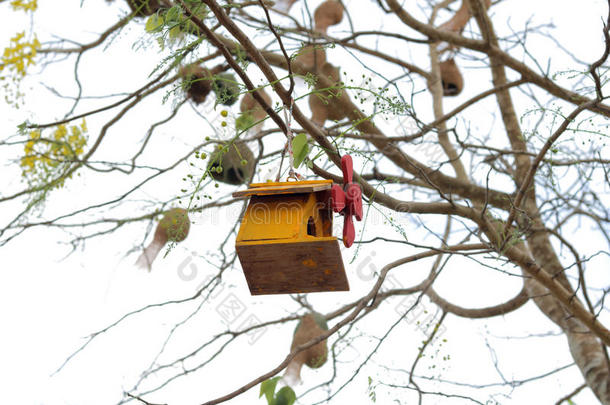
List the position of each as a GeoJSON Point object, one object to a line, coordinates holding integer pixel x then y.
{"type": "Point", "coordinates": [347, 166]}
{"type": "Point", "coordinates": [337, 198]}
{"type": "Point", "coordinates": [349, 233]}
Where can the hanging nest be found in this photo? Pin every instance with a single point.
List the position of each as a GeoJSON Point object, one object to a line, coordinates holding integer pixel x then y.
{"type": "Point", "coordinates": [144, 8]}
{"type": "Point", "coordinates": [328, 13]}
{"type": "Point", "coordinates": [226, 88]}
{"type": "Point", "coordinates": [198, 82]}
{"type": "Point", "coordinates": [312, 57]}
{"type": "Point", "coordinates": [232, 164]}
{"type": "Point", "coordinates": [252, 112]}
{"type": "Point", "coordinates": [173, 227]}
{"type": "Point", "coordinates": [460, 18]}
{"type": "Point", "coordinates": [451, 78]}
{"type": "Point", "coordinates": [328, 103]}
{"type": "Point", "coordinates": [309, 327]}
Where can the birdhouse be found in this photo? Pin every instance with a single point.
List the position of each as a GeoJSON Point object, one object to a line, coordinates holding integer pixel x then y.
{"type": "Point", "coordinates": [285, 242]}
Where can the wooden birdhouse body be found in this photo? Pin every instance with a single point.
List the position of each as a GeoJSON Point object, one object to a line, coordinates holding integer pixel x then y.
{"type": "Point", "coordinates": [285, 243]}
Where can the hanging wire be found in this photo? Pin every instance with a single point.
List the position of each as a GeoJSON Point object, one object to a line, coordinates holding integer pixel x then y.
{"type": "Point", "coordinates": [287, 111]}
{"type": "Point", "coordinates": [292, 174]}
{"type": "Point", "coordinates": [288, 120]}
{"type": "Point", "coordinates": [279, 171]}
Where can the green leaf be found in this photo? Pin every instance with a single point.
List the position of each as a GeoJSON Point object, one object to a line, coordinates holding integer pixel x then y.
{"type": "Point", "coordinates": [161, 43]}
{"type": "Point", "coordinates": [285, 396]}
{"type": "Point", "coordinates": [173, 15]}
{"type": "Point", "coordinates": [23, 127]}
{"type": "Point", "coordinates": [154, 23]}
{"type": "Point", "coordinates": [175, 32]}
{"type": "Point", "coordinates": [200, 10]}
{"type": "Point", "coordinates": [268, 388]}
{"type": "Point", "coordinates": [300, 149]}
{"type": "Point", "coordinates": [244, 121]}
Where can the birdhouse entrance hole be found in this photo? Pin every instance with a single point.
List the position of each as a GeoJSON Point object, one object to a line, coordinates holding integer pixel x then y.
{"type": "Point", "coordinates": [311, 227]}
{"type": "Point", "coordinates": [285, 243]}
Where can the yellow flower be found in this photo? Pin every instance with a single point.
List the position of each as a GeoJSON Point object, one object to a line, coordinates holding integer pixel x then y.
{"type": "Point", "coordinates": [67, 145]}
{"type": "Point", "coordinates": [19, 54]}
{"type": "Point", "coordinates": [27, 162]}
{"type": "Point", "coordinates": [75, 131]}
{"type": "Point", "coordinates": [29, 147]}
{"type": "Point", "coordinates": [31, 5]}
{"type": "Point", "coordinates": [60, 132]}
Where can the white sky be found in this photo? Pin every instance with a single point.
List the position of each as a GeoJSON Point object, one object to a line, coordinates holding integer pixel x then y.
{"type": "Point", "coordinates": [48, 304]}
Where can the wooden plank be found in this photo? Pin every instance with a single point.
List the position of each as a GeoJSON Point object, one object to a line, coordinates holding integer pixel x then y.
{"type": "Point", "coordinates": [290, 268]}
{"type": "Point", "coordinates": [288, 183]}
{"type": "Point", "coordinates": [289, 189]}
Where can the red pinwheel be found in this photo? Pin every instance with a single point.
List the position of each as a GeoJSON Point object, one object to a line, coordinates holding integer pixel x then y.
{"type": "Point", "coordinates": [347, 200]}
